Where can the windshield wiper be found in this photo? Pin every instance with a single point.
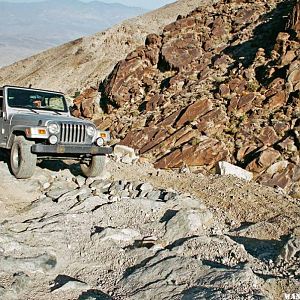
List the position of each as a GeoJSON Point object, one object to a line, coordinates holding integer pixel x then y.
{"type": "Point", "coordinates": [24, 107]}
{"type": "Point", "coordinates": [58, 113]}
{"type": "Point", "coordinates": [31, 109]}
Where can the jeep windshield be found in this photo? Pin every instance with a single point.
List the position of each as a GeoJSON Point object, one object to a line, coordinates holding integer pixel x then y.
{"type": "Point", "coordinates": [36, 100]}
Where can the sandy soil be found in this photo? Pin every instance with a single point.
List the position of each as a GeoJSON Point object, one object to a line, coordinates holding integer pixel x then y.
{"type": "Point", "coordinates": [235, 201]}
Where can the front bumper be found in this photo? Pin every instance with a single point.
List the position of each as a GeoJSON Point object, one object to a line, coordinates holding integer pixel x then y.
{"type": "Point", "coordinates": [70, 149]}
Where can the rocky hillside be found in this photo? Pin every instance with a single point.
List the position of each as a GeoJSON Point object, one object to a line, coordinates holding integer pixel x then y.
{"type": "Point", "coordinates": [219, 84]}
{"type": "Point", "coordinates": [140, 233]}
{"type": "Point", "coordinates": [86, 61]}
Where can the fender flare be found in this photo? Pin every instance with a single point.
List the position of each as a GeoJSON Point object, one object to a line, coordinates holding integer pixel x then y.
{"type": "Point", "coordinates": [15, 131]}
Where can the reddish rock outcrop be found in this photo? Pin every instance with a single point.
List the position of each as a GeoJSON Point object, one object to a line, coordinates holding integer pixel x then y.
{"type": "Point", "coordinates": [84, 104]}
{"type": "Point", "coordinates": [220, 83]}
{"type": "Point", "coordinates": [194, 111]}
{"type": "Point", "coordinates": [206, 153]}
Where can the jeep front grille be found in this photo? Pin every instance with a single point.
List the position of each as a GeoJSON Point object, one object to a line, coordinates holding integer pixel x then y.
{"type": "Point", "coordinates": [72, 133]}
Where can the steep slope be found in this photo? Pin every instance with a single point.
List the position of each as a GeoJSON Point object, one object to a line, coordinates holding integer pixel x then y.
{"type": "Point", "coordinates": [220, 84]}
{"type": "Point", "coordinates": [84, 62]}
{"type": "Point", "coordinates": [29, 28]}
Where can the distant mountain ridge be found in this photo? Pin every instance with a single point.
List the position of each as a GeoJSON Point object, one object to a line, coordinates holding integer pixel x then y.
{"type": "Point", "coordinates": [82, 63]}
{"type": "Point", "coordinates": [28, 28]}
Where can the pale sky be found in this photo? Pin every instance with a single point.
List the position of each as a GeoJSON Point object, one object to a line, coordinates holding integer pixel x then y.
{"type": "Point", "coordinates": [149, 4]}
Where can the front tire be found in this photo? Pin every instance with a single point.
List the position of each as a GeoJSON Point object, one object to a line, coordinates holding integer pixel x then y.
{"type": "Point", "coordinates": [22, 161]}
{"type": "Point", "coordinates": [95, 167]}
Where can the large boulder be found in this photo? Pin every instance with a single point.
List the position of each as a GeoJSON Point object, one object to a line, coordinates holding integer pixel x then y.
{"type": "Point", "coordinates": [206, 153]}
{"type": "Point", "coordinates": [226, 168]}
{"type": "Point", "coordinates": [186, 223]}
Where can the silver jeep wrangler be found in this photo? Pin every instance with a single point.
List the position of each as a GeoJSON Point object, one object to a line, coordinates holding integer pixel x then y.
{"type": "Point", "coordinates": [36, 124]}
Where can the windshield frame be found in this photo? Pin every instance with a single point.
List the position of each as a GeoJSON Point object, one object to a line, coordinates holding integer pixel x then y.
{"type": "Point", "coordinates": [37, 92]}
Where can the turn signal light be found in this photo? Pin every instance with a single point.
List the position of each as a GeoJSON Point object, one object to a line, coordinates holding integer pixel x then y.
{"type": "Point", "coordinates": [36, 132]}
{"type": "Point", "coordinates": [103, 135]}
{"type": "Point", "coordinates": [42, 131]}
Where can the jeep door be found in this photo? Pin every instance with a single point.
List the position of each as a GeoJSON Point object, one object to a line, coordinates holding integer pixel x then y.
{"type": "Point", "coordinates": [4, 122]}
{"type": "Point", "coordinates": [2, 131]}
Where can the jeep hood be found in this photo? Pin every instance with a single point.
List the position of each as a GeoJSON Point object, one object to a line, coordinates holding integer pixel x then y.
{"type": "Point", "coordinates": [32, 119]}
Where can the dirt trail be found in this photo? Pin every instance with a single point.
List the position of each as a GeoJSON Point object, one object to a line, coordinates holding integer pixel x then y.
{"type": "Point", "coordinates": [234, 201]}
{"type": "Point", "coordinates": [15, 195]}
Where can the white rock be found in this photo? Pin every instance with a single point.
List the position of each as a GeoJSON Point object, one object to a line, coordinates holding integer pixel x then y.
{"type": "Point", "coordinates": [125, 154]}
{"type": "Point", "coordinates": [119, 235]}
{"type": "Point", "coordinates": [289, 250]}
{"type": "Point", "coordinates": [188, 202]}
{"type": "Point", "coordinates": [80, 180]}
{"type": "Point", "coordinates": [127, 160]}
{"type": "Point", "coordinates": [187, 222]}
{"type": "Point", "coordinates": [146, 187]}
{"type": "Point", "coordinates": [121, 151]}
{"type": "Point", "coordinates": [46, 185]}
{"type": "Point", "coordinates": [104, 176]}
{"type": "Point", "coordinates": [226, 168]}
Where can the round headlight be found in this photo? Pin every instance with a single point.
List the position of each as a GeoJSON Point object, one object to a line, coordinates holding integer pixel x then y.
{"type": "Point", "coordinates": [53, 139]}
{"type": "Point", "coordinates": [53, 128]}
{"type": "Point", "coordinates": [100, 142]}
{"type": "Point", "coordinates": [91, 130]}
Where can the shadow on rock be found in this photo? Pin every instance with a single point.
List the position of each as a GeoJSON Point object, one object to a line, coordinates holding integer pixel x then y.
{"type": "Point", "coordinates": [220, 284]}
{"type": "Point", "coordinates": [58, 165]}
{"type": "Point", "coordinates": [61, 280]}
{"type": "Point", "coordinates": [169, 214]}
{"type": "Point", "coordinates": [261, 249]}
{"type": "Point", "coordinates": [264, 35]}
{"type": "Point", "coordinates": [94, 295]}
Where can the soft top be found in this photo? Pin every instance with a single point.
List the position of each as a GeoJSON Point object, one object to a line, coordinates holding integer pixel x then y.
{"type": "Point", "coordinates": [29, 88]}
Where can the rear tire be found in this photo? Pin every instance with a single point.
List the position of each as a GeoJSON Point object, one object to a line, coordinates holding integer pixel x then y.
{"type": "Point", "coordinates": [22, 161]}
{"type": "Point", "coordinates": [95, 167]}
